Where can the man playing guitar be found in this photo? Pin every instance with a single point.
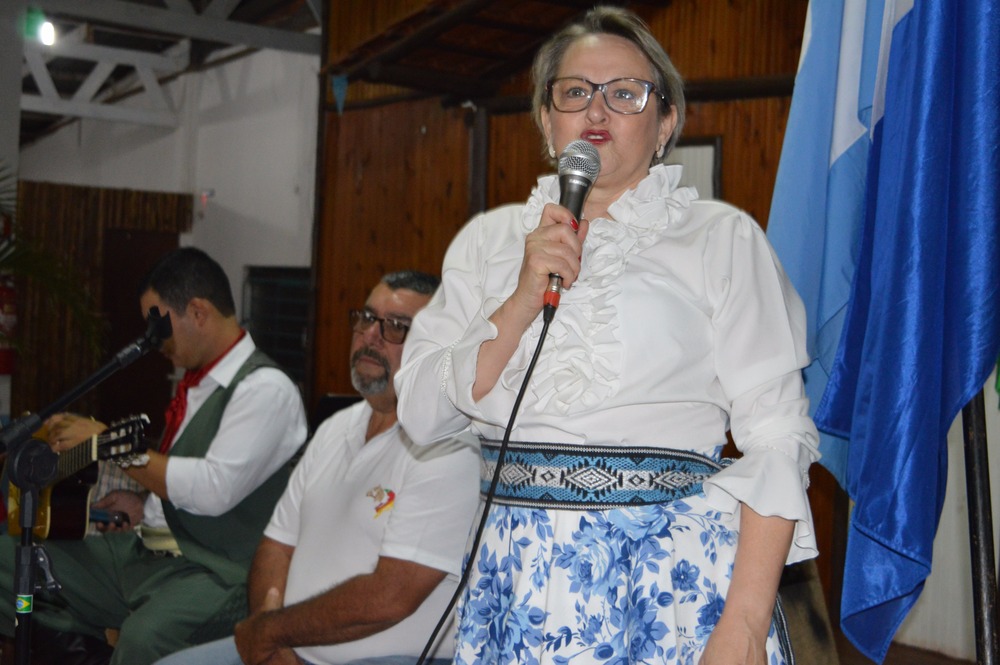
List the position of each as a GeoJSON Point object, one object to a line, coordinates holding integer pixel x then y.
{"type": "Point", "coordinates": [210, 487]}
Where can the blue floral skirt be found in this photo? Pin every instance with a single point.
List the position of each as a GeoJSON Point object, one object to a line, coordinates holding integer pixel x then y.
{"type": "Point", "coordinates": [643, 584]}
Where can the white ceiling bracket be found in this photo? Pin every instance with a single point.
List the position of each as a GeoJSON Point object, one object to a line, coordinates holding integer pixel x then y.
{"type": "Point", "coordinates": [82, 102]}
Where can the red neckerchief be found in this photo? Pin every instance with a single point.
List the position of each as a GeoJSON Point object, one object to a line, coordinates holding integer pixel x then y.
{"type": "Point", "coordinates": [174, 415]}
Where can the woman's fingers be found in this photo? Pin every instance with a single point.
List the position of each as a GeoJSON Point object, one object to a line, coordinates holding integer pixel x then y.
{"type": "Point", "coordinates": [554, 247]}
{"type": "Point", "coordinates": [556, 244]}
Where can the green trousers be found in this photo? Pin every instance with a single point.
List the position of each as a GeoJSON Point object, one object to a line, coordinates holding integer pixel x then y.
{"type": "Point", "coordinates": [160, 604]}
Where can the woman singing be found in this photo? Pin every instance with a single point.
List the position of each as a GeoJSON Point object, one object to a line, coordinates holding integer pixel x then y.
{"type": "Point", "coordinates": [617, 534]}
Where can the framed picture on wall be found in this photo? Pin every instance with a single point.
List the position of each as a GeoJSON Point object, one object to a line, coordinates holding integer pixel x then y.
{"type": "Point", "coordinates": [701, 158]}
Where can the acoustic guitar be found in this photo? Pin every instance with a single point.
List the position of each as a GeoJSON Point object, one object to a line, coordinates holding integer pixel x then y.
{"type": "Point", "coordinates": [64, 506]}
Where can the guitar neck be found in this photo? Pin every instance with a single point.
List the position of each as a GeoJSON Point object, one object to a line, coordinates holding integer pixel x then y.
{"type": "Point", "coordinates": [121, 438]}
{"type": "Point", "coordinates": [77, 458]}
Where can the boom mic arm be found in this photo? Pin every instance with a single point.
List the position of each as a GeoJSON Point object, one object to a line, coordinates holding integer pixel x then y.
{"type": "Point", "coordinates": [158, 330]}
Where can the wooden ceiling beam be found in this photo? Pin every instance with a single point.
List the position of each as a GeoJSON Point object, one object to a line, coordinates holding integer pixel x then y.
{"type": "Point", "coordinates": [425, 80]}
{"type": "Point", "coordinates": [541, 32]}
{"type": "Point", "coordinates": [419, 37]}
{"type": "Point", "coordinates": [462, 49]}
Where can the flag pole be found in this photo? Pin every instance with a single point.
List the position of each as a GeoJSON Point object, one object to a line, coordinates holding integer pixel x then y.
{"type": "Point", "coordinates": [984, 579]}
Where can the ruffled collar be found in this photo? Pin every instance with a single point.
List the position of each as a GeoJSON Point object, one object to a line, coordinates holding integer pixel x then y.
{"type": "Point", "coordinates": [583, 364]}
{"type": "Point", "coordinates": [646, 206]}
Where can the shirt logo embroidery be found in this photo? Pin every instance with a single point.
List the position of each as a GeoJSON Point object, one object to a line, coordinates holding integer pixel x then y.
{"type": "Point", "coordinates": [383, 498]}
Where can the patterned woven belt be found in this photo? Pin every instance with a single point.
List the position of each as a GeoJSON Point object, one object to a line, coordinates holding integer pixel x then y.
{"type": "Point", "coordinates": [556, 475]}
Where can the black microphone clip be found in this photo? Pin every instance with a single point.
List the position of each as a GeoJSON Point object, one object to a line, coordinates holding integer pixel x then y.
{"type": "Point", "coordinates": [158, 330]}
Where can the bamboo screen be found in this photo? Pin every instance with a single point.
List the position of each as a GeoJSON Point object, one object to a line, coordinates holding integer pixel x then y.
{"type": "Point", "coordinates": [69, 221]}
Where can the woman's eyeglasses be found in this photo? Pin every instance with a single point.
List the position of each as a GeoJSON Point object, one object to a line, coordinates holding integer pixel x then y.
{"type": "Point", "coordinates": [392, 330]}
{"type": "Point", "coordinates": [626, 96]}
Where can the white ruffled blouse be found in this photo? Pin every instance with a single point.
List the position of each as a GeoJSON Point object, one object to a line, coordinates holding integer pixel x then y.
{"type": "Point", "coordinates": [681, 325]}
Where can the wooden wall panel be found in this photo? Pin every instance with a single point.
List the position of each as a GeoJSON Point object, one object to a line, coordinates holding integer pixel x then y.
{"type": "Point", "coordinates": [724, 39]}
{"type": "Point", "coordinates": [516, 159]}
{"type": "Point", "coordinates": [395, 192]}
{"type": "Point", "coordinates": [752, 133]}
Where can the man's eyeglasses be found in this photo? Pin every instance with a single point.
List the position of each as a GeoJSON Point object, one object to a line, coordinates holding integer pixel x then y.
{"type": "Point", "coordinates": [392, 330]}
{"type": "Point", "coordinates": [626, 96]}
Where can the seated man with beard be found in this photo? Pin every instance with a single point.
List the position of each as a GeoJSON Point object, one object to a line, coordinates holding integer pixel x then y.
{"type": "Point", "coordinates": [365, 547]}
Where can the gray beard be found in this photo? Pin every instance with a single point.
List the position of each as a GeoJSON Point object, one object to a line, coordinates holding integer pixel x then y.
{"type": "Point", "coordinates": [369, 386]}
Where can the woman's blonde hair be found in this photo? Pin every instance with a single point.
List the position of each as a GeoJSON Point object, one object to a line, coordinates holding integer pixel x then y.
{"type": "Point", "coordinates": [621, 23]}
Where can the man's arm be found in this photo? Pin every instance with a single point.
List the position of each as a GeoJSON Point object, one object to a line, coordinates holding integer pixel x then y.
{"type": "Point", "coordinates": [359, 607]}
{"type": "Point", "coordinates": [266, 587]}
{"type": "Point", "coordinates": [152, 476]}
{"type": "Point", "coordinates": [269, 570]}
{"type": "Point", "coordinates": [262, 426]}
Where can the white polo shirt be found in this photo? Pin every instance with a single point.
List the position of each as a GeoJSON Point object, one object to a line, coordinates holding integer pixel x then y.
{"type": "Point", "coordinates": [349, 502]}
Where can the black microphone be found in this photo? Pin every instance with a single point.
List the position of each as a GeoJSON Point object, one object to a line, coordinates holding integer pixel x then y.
{"type": "Point", "coordinates": [579, 165]}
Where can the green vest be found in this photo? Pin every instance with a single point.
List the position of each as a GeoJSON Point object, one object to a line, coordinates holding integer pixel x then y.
{"type": "Point", "coordinates": [224, 544]}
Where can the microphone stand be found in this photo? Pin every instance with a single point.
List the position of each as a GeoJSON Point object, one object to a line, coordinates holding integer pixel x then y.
{"type": "Point", "coordinates": [32, 466]}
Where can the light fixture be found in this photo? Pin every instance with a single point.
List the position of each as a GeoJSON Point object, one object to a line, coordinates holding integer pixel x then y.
{"type": "Point", "coordinates": [47, 33]}
{"type": "Point", "coordinates": [36, 26]}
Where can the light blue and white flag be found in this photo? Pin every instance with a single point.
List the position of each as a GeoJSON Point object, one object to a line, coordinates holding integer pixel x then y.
{"type": "Point", "coordinates": [922, 325]}
{"type": "Point", "coordinates": [818, 204]}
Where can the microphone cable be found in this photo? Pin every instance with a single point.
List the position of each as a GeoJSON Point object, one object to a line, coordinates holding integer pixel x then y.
{"type": "Point", "coordinates": [548, 313]}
